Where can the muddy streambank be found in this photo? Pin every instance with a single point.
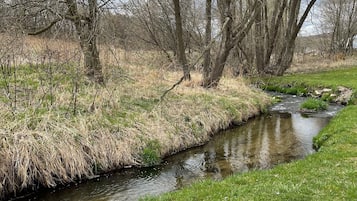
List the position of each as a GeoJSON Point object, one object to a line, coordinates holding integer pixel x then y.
{"type": "Point", "coordinates": [279, 136]}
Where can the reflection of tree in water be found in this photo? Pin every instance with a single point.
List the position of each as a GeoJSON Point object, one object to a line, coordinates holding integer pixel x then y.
{"type": "Point", "coordinates": [265, 142]}
{"type": "Point", "coordinates": [306, 128]}
{"type": "Point", "coordinates": [189, 169]}
{"type": "Point", "coordinates": [260, 144]}
{"type": "Point", "coordinates": [210, 161]}
{"type": "Point", "coordinates": [179, 172]}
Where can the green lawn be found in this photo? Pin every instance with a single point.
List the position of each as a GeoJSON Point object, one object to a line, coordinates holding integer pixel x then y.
{"type": "Point", "coordinates": [346, 77]}
{"type": "Point", "coordinates": [330, 174]}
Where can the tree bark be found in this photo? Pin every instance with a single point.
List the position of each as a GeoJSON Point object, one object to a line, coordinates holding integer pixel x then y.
{"type": "Point", "coordinates": [275, 24]}
{"type": "Point", "coordinates": [208, 33]}
{"type": "Point", "coordinates": [91, 59]}
{"type": "Point", "coordinates": [87, 30]}
{"type": "Point", "coordinates": [180, 43]}
{"type": "Point", "coordinates": [293, 27]}
{"type": "Point", "coordinates": [226, 9]}
{"type": "Point", "coordinates": [231, 36]}
{"type": "Point", "coordinates": [259, 39]}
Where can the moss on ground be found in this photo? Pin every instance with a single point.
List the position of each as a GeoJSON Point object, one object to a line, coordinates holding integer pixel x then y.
{"type": "Point", "coordinates": [329, 174]}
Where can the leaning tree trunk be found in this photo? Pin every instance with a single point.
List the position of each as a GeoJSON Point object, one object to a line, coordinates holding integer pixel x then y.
{"type": "Point", "coordinates": [286, 55]}
{"type": "Point", "coordinates": [225, 47]}
{"type": "Point", "coordinates": [219, 64]}
{"type": "Point", "coordinates": [231, 37]}
{"type": "Point", "coordinates": [285, 59]}
{"type": "Point", "coordinates": [226, 44]}
{"type": "Point", "coordinates": [273, 31]}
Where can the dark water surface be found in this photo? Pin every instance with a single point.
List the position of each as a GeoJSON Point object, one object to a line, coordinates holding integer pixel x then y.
{"type": "Point", "coordinates": [280, 137]}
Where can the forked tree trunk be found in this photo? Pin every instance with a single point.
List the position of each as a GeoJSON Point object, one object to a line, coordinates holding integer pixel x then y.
{"type": "Point", "coordinates": [219, 64]}
{"type": "Point", "coordinates": [285, 59]}
{"type": "Point", "coordinates": [231, 36]}
{"type": "Point", "coordinates": [273, 30]}
{"type": "Point", "coordinates": [294, 25]}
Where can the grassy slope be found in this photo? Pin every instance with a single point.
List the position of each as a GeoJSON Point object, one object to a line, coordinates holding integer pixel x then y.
{"type": "Point", "coordinates": [43, 144]}
{"type": "Point", "coordinates": [346, 77]}
{"type": "Point", "coordinates": [330, 174]}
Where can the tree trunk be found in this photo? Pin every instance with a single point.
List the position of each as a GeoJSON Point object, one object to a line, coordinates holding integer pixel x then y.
{"type": "Point", "coordinates": [92, 65]}
{"type": "Point", "coordinates": [287, 51]}
{"type": "Point", "coordinates": [181, 46]}
{"type": "Point", "coordinates": [285, 60]}
{"type": "Point", "coordinates": [259, 40]}
{"type": "Point", "coordinates": [275, 24]}
{"type": "Point", "coordinates": [285, 57]}
{"type": "Point", "coordinates": [225, 46]}
{"type": "Point", "coordinates": [231, 36]}
{"type": "Point", "coordinates": [87, 30]}
{"type": "Point", "coordinates": [207, 54]}
{"type": "Point", "coordinates": [219, 64]}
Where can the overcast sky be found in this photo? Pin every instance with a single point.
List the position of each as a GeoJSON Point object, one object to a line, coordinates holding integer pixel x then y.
{"type": "Point", "coordinates": [312, 23]}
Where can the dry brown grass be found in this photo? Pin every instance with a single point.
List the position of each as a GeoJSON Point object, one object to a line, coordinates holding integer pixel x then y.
{"type": "Point", "coordinates": [46, 145]}
{"type": "Point", "coordinates": [315, 63]}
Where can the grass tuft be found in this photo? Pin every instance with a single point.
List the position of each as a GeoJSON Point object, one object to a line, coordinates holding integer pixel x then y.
{"type": "Point", "coordinates": [151, 153]}
{"type": "Point", "coordinates": [314, 104]}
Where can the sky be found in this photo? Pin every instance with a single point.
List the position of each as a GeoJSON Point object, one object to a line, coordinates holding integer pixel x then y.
{"type": "Point", "coordinates": [312, 24]}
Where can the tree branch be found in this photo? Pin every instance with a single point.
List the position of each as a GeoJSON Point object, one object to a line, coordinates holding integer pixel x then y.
{"type": "Point", "coordinates": [173, 86]}
{"type": "Point", "coordinates": [303, 17]}
{"type": "Point", "coordinates": [104, 3]}
{"type": "Point", "coordinates": [45, 28]}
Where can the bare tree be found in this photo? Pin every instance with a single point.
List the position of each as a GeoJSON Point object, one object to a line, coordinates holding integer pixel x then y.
{"type": "Point", "coordinates": [154, 25]}
{"type": "Point", "coordinates": [292, 27]}
{"type": "Point", "coordinates": [85, 16]}
{"type": "Point", "coordinates": [340, 21]}
{"type": "Point", "coordinates": [208, 38]}
{"type": "Point", "coordinates": [233, 33]}
{"type": "Point", "coordinates": [179, 35]}
{"type": "Point", "coordinates": [86, 24]}
{"type": "Point", "coordinates": [259, 37]}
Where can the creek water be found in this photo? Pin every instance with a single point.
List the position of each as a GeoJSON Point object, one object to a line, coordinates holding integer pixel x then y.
{"type": "Point", "coordinates": [281, 136]}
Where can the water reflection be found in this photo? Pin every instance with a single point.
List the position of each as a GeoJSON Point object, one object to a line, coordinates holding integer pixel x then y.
{"type": "Point", "coordinates": [259, 144]}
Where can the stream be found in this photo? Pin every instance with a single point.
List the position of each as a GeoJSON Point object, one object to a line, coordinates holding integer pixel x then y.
{"type": "Point", "coordinates": [281, 136]}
